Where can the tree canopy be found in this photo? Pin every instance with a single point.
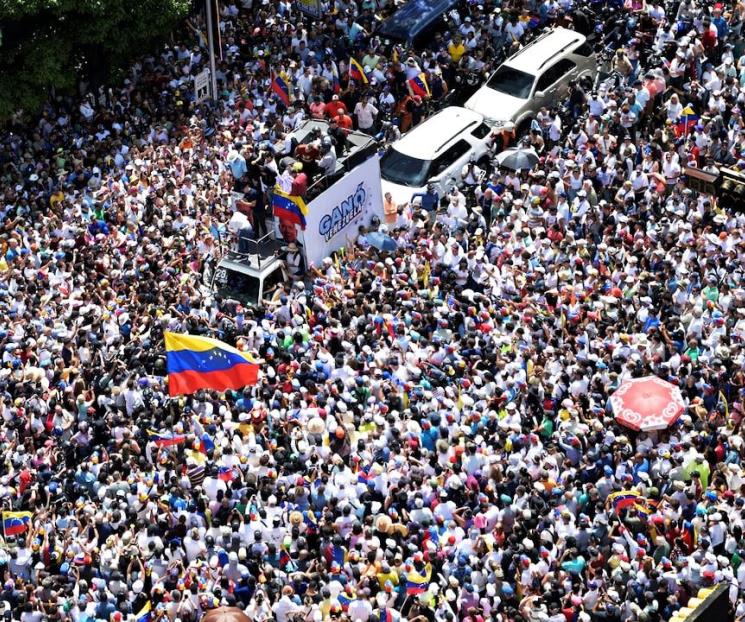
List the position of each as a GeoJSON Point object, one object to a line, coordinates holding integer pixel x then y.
{"type": "Point", "coordinates": [49, 44]}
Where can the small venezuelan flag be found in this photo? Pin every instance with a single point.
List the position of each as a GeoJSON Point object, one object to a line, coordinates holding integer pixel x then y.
{"type": "Point", "coordinates": [284, 559]}
{"type": "Point", "coordinates": [363, 475]}
{"type": "Point", "coordinates": [15, 523]}
{"type": "Point", "coordinates": [386, 615]}
{"type": "Point", "coordinates": [196, 363]}
{"type": "Point", "coordinates": [165, 439]}
{"type": "Point", "coordinates": [417, 582]}
{"type": "Point", "coordinates": [145, 614]}
{"type": "Point", "coordinates": [226, 474]}
{"type": "Point", "coordinates": [337, 555]}
{"type": "Point", "coordinates": [205, 444]}
{"type": "Point", "coordinates": [418, 85]}
{"type": "Point", "coordinates": [345, 598]}
{"type": "Point", "coordinates": [356, 72]}
{"type": "Point", "coordinates": [335, 85]}
{"type": "Point", "coordinates": [686, 121]}
{"type": "Point", "coordinates": [290, 207]}
{"type": "Point", "coordinates": [281, 86]}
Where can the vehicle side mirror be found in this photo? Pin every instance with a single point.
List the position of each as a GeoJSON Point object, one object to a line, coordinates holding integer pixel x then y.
{"type": "Point", "coordinates": [540, 94]}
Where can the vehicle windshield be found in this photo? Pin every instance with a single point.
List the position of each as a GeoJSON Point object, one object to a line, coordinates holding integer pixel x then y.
{"type": "Point", "coordinates": [236, 285]}
{"type": "Point", "coordinates": [412, 17]}
{"type": "Point", "coordinates": [404, 170]}
{"type": "Point", "coordinates": [512, 82]}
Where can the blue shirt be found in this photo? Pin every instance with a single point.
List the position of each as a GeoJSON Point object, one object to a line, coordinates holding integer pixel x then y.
{"type": "Point", "coordinates": [238, 167]}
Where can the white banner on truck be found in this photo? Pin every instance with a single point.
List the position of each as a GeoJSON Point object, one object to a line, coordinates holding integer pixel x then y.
{"type": "Point", "coordinates": [335, 215]}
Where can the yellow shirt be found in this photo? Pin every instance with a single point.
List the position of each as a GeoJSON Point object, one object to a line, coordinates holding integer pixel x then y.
{"type": "Point", "coordinates": [456, 51]}
{"type": "Point", "coordinates": [391, 576]}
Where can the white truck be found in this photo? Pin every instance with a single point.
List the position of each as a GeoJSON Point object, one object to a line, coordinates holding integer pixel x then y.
{"type": "Point", "coordinates": [333, 218]}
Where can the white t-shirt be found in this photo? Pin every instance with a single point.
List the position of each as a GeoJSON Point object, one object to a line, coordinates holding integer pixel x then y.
{"type": "Point", "coordinates": [365, 114]}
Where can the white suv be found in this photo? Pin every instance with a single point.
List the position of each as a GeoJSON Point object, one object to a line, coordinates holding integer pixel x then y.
{"type": "Point", "coordinates": [535, 76]}
{"type": "Point", "coordinates": [435, 152]}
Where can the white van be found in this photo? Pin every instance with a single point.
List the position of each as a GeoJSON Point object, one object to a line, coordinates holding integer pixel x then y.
{"type": "Point", "coordinates": [435, 152]}
{"type": "Point", "coordinates": [537, 75]}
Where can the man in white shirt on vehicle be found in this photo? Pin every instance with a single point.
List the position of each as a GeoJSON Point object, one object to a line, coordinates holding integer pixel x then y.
{"type": "Point", "coordinates": [365, 113]}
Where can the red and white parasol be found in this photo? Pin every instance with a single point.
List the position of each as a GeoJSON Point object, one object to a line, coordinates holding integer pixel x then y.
{"type": "Point", "coordinates": [647, 404]}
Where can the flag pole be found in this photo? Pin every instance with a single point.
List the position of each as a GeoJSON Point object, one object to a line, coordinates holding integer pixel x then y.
{"type": "Point", "coordinates": [208, 5]}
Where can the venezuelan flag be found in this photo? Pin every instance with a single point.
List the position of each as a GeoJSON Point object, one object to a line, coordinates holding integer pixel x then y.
{"type": "Point", "coordinates": [337, 554]}
{"type": "Point", "coordinates": [624, 499]}
{"type": "Point", "coordinates": [417, 582]}
{"type": "Point", "coordinates": [226, 474]}
{"type": "Point", "coordinates": [15, 523]}
{"type": "Point", "coordinates": [165, 439]}
{"type": "Point", "coordinates": [196, 363]}
{"type": "Point", "coordinates": [311, 522]}
{"type": "Point", "coordinates": [345, 599]}
{"type": "Point", "coordinates": [290, 207]}
{"type": "Point", "coordinates": [205, 444]}
{"type": "Point", "coordinates": [688, 120]}
{"type": "Point", "coordinates": [280, 85]}
{"type": "Point", "coordinates": [145, 614]}
{"type": "Point", "coordinates": [386, 615]}
{"type": "Point", "coordinates": [284, 559]}
{"type": "Point", "coordinates": [356, 72]}
{"type": "Point", "coordinates": [418, 85]}
{"type": "Point", "coordinates": [363, 476]}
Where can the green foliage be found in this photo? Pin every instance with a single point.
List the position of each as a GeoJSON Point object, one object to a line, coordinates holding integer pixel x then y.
{"type": "Point", "coordinates": [48, 44]}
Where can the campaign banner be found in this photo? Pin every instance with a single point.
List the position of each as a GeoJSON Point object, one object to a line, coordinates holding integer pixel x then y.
{"type": "Point", "coordinates": [335, 215]}
{"type": "Point", "coordinates": [310, 7]}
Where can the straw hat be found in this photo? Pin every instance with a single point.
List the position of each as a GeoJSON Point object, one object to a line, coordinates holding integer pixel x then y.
{"type": "Point", "coordinates": [316, 425]}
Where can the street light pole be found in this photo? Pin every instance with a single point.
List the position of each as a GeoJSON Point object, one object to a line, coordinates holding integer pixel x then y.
{"type": "Point", "coordinates": [208, 4]}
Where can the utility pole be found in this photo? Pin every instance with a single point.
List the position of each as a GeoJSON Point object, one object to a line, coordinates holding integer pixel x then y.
{"type": "Point", "coordinates": [208, 4]}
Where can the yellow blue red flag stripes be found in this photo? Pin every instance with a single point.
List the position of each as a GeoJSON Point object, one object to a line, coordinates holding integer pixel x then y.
{"type": "Point", "coordinates": [15, 523]}
{"type": "Point", "coordinates": [419, 86]}
{"type": "Point", "coordinates": [356, 72]}
{"type": "Point", "coordinates": [165, 439]}
{"type": "Point", "coordinates": [196, 363]}
{"type": "Point", "coordinates": [289, 207]}
{"type": "Point", "coordinates": [624, 499]}
{"type": "Point", "coordinates": [145, 614]}
{"type": "Point", "coordinates": [418, 581]}
{"type": "Point", "coordinates": [281, 86]}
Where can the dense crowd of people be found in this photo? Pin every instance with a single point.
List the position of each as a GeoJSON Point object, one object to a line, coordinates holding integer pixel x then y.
{"type": "Point", "coordinates": [431, 437]}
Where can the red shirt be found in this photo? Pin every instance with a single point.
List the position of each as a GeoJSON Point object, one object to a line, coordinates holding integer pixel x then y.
{"type": "Point", "coordinates": [344, 121]}
{"type": "Point", "coordinates": [299, 185]}
{"type": "Point", "coordinates": [335, 108]}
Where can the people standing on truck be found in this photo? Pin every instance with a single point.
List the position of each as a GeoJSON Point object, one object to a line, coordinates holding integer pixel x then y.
{"type": "Point", "coordinates": [327, 163]}
{"type": "Point", "coordinates": [299, 180]}
{"type": "Point", "coordinates": [294, 261]}
{"type": "Point", "coordinates": [240, 226]}
{"type": "Point", "coordinates": [365, 113]}
{"type": "Point", "coordinates": [335, 107]}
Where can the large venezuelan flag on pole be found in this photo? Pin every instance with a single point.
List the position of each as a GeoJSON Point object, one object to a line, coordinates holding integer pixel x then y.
{"type": "Point", "coordinates": [356, 72]}
{"type": "Point", "coordinates": [289, 207]}
{"type": "Point", "coordinates": [280, 85]}
{"type": "Point", "coordinates": [196, 363]}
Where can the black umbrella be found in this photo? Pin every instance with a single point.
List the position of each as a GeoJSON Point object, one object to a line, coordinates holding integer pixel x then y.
{"type": "Point", "coordinates": [517, 159]}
